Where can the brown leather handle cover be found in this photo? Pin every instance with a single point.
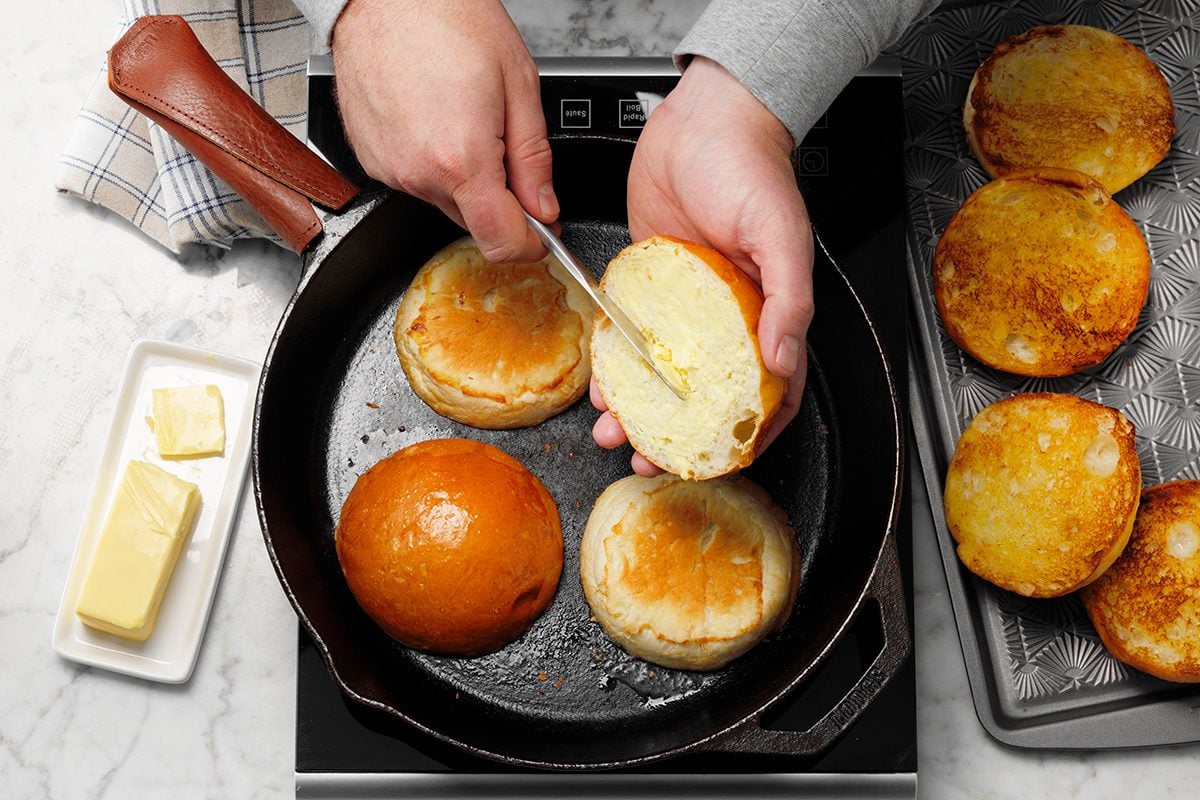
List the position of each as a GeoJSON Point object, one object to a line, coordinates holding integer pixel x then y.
{"type": "Point", "coordinates": [160, 68]}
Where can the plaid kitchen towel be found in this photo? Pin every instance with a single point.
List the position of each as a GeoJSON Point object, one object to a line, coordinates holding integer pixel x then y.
{"type": "Point", "coordinates": [122, 161]}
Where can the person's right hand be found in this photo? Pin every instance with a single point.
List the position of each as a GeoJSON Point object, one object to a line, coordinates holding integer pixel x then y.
{"type": "Point", "coordinates": [441, 100]}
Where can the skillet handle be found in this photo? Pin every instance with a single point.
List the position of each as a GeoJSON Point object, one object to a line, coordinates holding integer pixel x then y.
{"type": "Point", "coordinates": [888, 591]}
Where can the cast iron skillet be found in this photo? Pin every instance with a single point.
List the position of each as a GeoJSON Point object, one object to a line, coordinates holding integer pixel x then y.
{"type": "Point", "coordinates": [333, 400]}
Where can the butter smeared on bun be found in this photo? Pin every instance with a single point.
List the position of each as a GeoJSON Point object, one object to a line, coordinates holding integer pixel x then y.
{"type": "Point", "coordinates": [700, 314]}
{"type": "Point", "coordinates": [451, 545]}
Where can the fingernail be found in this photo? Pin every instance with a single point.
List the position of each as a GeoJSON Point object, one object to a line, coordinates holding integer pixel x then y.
{"type": "Point", "coordinates": [787, 355]}
{"type": "Point", "coordinates": [547, 202]}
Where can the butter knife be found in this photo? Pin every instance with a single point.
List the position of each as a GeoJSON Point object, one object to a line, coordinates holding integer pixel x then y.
{"type": "Point", "coordinates": [611, 310]}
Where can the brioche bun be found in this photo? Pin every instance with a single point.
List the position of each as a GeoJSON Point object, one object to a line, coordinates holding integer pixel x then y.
{"type": "Point", "coordinates": [1042, 491]}
{"type": "Point", "coordinates": [494, 345]}
{"type": "Point", "coordinates": [1146, 607]}
{"type": "Point", "coordinates": [688, 574]}
{"type": "Point", "coordinates": [451, 545]}
{"type": "Point", "coordinates": [1040, 273]}
{"type": "Point", "coordinates": [1070, 96]}
{"type": "Point", "coordinates": [700, 314]}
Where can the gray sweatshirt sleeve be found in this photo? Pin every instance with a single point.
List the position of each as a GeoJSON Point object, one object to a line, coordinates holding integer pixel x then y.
{"type": "Point", "coordinates": [321, 14]}
{"type": "Point", "coordinates": [796, 55]}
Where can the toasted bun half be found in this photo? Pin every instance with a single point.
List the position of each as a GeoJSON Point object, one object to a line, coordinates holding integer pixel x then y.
{"type": "Point", "coordinates": [700, 314]}
{"type": "Point", "coordinates": [451, 545]}
{"type": "Point", "coordinates": [1146, 607]}
{"type": "Point", "coordinates": [494, 345]}
{"type": "Point", "coordinates": [1070, 96]}
{"type": "Point", "coordinates": [1040, 273]}
{"type": "Point", "coordinates": [688, 574]}
{"type": "Point", "coordinates": [1042, 491]}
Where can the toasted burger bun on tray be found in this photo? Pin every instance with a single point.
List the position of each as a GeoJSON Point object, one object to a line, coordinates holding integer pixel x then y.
{"type": "Point", "coordinates": [1042, 491]}
{"type": "Point", "coordinates": [494, 345]}
{"type": "Point", "coordinates": [451, 545]}
{"type": "Point", "coordinates": [700, 315]}
{"type": "Point", "coordinates": [688, 574]}
{"type": "Point", "coordinates": [1070, 96]}
{"type": "Point", "coordinates": [1146, 607]}
{"type": "Point", "coordinates": [1040, 273]}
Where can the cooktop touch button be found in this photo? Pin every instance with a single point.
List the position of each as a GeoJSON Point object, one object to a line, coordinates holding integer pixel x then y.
{"type": "Point", "coordinates": [576, 113]}
{"type": "Point", "coordinates": [631, 113]}
{"type": "Point", "coordinates": [813, 162]}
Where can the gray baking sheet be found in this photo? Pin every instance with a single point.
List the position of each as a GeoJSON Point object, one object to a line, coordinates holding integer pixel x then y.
{"type": "Point", "coordinates": [1039, 675]}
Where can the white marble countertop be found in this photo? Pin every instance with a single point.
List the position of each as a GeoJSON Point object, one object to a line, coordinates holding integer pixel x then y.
{"type": "Point", "coordinates": [78, 286]}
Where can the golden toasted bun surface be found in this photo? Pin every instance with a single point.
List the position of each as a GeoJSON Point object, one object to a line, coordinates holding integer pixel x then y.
{"type": "Point", "coordinates": [1146, 607]}
{"type": "Point", "coordinates": [1042, 491]}
{"type": "Point", "coordinates": [494, 345]}
{"type": "Point", "coordinates": [451, 545]}
{"type": "Point", "coordinates": [688, 574]}
{"type": "Point", "coordinates": [1040, 273]}
{"type": "Point", "coordinates": [700, 315]}
{"type": "Point", "coordinates": [1070, 96]}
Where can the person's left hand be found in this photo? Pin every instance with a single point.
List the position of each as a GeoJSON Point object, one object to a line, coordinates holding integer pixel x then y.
{"type": "Point", "coordinates": [713, 166]}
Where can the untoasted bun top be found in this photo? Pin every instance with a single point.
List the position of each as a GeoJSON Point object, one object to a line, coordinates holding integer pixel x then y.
{"type": "Point", "coordinates": [688, 574]}
{"type": "Point", "coordinates": [700, 315]}
{"type": "Point", "coordinates": [1040, 273]}
{"type": "Point", "coordinates": [1042, 491]}
{"type": "Point", "coordinates": [1146, 607]}
{"type": "Point", "coordinates": [451, 545]}
{"type": "Point", "coordinates": [1070, 96]}
{"type": "Point", "coordinates": [494, 345]}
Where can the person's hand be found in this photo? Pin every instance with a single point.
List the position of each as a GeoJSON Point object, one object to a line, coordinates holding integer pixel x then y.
{"type": "Point", "coordinates": [442, 101]}
{"type": "Point", "coordinates": [713, 165]}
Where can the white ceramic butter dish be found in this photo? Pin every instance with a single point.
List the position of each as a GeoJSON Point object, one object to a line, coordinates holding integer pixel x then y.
{"type": "Point", "coordinates": [169, 654]}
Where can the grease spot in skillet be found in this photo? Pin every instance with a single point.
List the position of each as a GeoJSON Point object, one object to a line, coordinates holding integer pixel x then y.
{"type": "Point", "coordinates": [655, 685]}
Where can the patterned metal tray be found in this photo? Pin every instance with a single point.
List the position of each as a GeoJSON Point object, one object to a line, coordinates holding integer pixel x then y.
{"type": "Point", "coordinates": [1038, 672]}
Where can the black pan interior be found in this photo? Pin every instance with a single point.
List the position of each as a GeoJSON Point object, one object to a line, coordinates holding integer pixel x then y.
{"type": "Point", "coordinates": [334, 401]}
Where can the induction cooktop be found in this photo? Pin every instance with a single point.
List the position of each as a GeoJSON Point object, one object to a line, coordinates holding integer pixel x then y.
{"type": "Point", "coordinates": [850, 170]}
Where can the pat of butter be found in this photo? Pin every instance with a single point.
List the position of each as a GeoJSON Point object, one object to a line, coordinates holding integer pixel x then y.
{"type": "Point", "coordinates": [189, 421]}
{"type": "Point", "coordinates": [138, 548]}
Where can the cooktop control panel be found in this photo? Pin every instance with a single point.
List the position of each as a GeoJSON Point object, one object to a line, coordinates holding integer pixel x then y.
{"type": "Point", "coordinates": [612, 98]}
{"type": "Point", "coordinates": [607, 103]}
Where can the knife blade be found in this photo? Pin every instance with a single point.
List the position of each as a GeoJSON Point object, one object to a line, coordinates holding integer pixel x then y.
{"type": "Point", "coordinates": [619, 319]}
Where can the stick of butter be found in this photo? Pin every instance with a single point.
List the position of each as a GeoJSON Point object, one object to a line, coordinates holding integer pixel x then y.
{"type": "Point", "coordinates": [138, 548]}
{"type": "Point", "coordinates": [189, 421]}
